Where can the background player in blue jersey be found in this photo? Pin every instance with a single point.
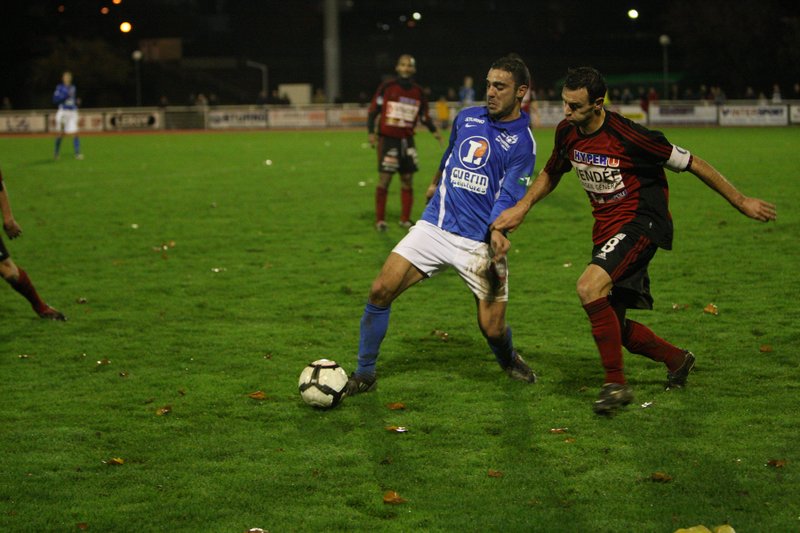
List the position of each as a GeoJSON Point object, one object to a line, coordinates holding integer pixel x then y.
{"type": "Point", "coordinates": [485, 169]}
{"type": "Point", "coordinates": [14, 275]}
{"type": "Point", "coordinates": [65, 96]}
{"type": "Point", "coordinates": [621, 166]}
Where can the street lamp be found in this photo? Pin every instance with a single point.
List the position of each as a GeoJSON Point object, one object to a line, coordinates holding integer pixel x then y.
{"type": "Point", "coordinates": [665, 41]}
{"type": "Point", "coordinates": [137, 59]}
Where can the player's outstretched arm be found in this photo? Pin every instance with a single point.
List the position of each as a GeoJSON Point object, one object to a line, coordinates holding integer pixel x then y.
{"type": "Point", "coordinates": [754, 208]}
{"type": "Point", "coordinates": [511, 218]}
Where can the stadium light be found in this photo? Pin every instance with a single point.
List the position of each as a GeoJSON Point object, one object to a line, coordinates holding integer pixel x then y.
{"type": "Point", "coordinates": [665, 41]}
{"type": "Point", "coordinates": [125, 27]}
{"type": "Point", "coordinates": [417, 15]}
{"type": "Point", "coordinates": [633, 14]}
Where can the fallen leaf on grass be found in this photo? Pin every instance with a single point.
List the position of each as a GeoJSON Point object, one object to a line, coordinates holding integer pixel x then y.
{"type": "Point", "coordinates": [115, 461]}
{"type": "Point", "coordinates": [104, 361]}
{"type": "Point", "coordinates": [765, 348]}
{"type": "Point", "coordinates": [558, 430]}
{"type": "Point", "coordinates": [660, 477]}
{"type": "Point", "coordinates": [258, 395]}
{"type": "Point", "coordinates": [83, 526]}
{"type": "Point", "coordinates": [569, 440]}
{"type": "Point", "coordinates": [776, 463]}
{"type": "Point", "coordinates": [495, 473]}
{"type": "Point", "coordinates": [167, 409]}
{"type": "Point", "coordinates": [680, 307]}
{"type": "Point", "coordinates": [24, 356]}
{"type": "Point", "coordinates": [392, 498]}
{"type": "Point", "coordinates": [694, 529]}
{"type": "Point", "coordinates": [396, 406]}
{"type": "Point", "coordinates": [397, 429]}
{"type": "Point", "coordinates": [256, 530]}
{"type": "Point", "coordinates": [441, 334]}
{"type": "Point", "coordinates": [123, 374]}
{"type": "Point", "coordinates": [711, 309]}
{"type": "Point", "coordinates": [81, 300]}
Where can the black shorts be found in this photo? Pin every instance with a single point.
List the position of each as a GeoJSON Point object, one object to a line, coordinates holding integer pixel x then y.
{"type": "Point", "coordinates": [397, 155]}
{"type": "Point", "coordinates": [3, 251]}
{"type": "Point", "coordinates": [625, 257]}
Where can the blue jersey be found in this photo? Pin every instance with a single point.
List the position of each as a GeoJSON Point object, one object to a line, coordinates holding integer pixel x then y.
{"type": "Point", "coordinates": [485, 169]}
{"type": "Point", "coordinates": [64, 96]}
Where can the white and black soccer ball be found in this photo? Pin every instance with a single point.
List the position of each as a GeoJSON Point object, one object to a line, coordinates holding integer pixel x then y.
{"type": "Point", "coordinates": [322, 384]}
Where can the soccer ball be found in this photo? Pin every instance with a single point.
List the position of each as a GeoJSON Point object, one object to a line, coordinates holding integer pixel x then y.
{"type": "Point", "coordinates": [322, 384]}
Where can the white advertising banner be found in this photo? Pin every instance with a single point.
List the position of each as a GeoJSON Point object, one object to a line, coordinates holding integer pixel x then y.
{"type": "Point", "coordinates": [682, 114]}
{"type": "Point", "coordinates": [87, 121]}
{"type": "Point", "coordinates": [549, 114]}
{"type": "Point", "coordinates": [753, 115]}
{"type": "Point", "coordinates": [133, 120]}
{"type": "Point", "coordinates": [794, 114]}
{"type": "Point", "coordinates": [23, 123]}
{"type": "Point", "coordinates": [348, 117]}
{"type": "Point", "coordinates": [297, 118]}
{"type": "Point", "coordinates": [233, 119]}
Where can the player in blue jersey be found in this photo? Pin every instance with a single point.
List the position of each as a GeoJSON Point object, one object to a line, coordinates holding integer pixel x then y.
{"type": "Point", "coordinates": [67, 115]}
{"type": "Point", "coordinates": [9, 271]}
{"type": "Point", "coordinates": [485, 169]}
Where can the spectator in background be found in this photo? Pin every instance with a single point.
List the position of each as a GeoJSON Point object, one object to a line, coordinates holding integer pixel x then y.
{"type": "Point", "coordinates": [6, 103]}
{"type": "Point", "coordinates": [263, 97]}
{"type": "Point", "coordinates": [443, 113]}
{"type": "Point", "coordinates": [796, 91]}
{"type": "Point", "coordinates": [749, 93]}
{"type": "Point", "coordinates": [627, 96]}
{"type": "Point", "coordinates": [466, 94]}
{"type": "Point", "coordinates": [718, 95]}
{"type": "Point", "coordinates": [776, 94]}
{"type": "Point", "coordinates": [319, 96]}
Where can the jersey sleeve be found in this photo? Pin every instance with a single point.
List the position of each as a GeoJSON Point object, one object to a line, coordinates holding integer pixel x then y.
{"type": "Point", "coordinates": [517, 178]}
{"type": "Point", "coordinates": [559, 163]}
{"type": "Point", "coordinates": [451, 142]}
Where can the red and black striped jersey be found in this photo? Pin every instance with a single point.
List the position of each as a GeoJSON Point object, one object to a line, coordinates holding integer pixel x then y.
{"type": "Point", "coordinates": [400, 102]}
{"type": "Point", "coordinates": [621, 167]}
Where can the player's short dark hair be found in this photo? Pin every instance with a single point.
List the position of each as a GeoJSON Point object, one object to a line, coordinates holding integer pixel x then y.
{"type": "Point", "coordinates": [588, 77]}
{"type": "Point", "coordinates": [516, 66]}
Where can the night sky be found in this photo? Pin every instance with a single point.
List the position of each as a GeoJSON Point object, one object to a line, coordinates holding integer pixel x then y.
{"type": "Point", "coordinates": [734, 43]}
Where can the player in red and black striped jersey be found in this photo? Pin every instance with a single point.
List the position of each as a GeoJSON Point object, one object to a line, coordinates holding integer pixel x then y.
{"type": "Point", "coordinates": [397, 104]}
{"type": "Point", "coordinates": [621, 165]}
{"type": "Point", "coordinates": [14, 275]}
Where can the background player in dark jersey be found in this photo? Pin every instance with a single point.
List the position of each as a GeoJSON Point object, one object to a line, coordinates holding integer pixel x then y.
{"type": "Point", "coordinates": [15, 276]}
{"type": "Point", "coordinates": [397, 104]}
{"type": "Point", "coordinates": [484, 170]}
{"type": "Point", "coordinates": [621, 167]}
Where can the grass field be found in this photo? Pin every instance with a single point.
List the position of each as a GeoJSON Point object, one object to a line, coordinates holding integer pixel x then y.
{"type": "Point", "coordinates": [194, 274]}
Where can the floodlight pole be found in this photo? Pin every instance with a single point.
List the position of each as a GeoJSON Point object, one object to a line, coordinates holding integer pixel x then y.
{"type": "Point", "coordinates": [137, 59]}
{"type": "Point", "coordinates": [665, 41]}
{"type": "Point", "coordinates": [264, 75]}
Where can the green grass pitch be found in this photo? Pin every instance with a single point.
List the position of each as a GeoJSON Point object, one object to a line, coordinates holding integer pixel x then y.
{"type": "Point", "coordinates": [193, 273]}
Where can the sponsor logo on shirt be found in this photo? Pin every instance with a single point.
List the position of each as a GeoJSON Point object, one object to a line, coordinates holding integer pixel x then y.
{"type": "Point", "coordinates": [471, 181]}
{"type": "Point", "coordinates": [505, 140]}
{"type": "Point", "coordinates": [599, 180]}
{"type": "Point", "coordinates": [473, 119]}
{"type": "Point", "coordinates": [595, 159]}
{"type": "Point", "coordinates": [402, 114]}
{"type": "Point", "coordinates": [474, 152]}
